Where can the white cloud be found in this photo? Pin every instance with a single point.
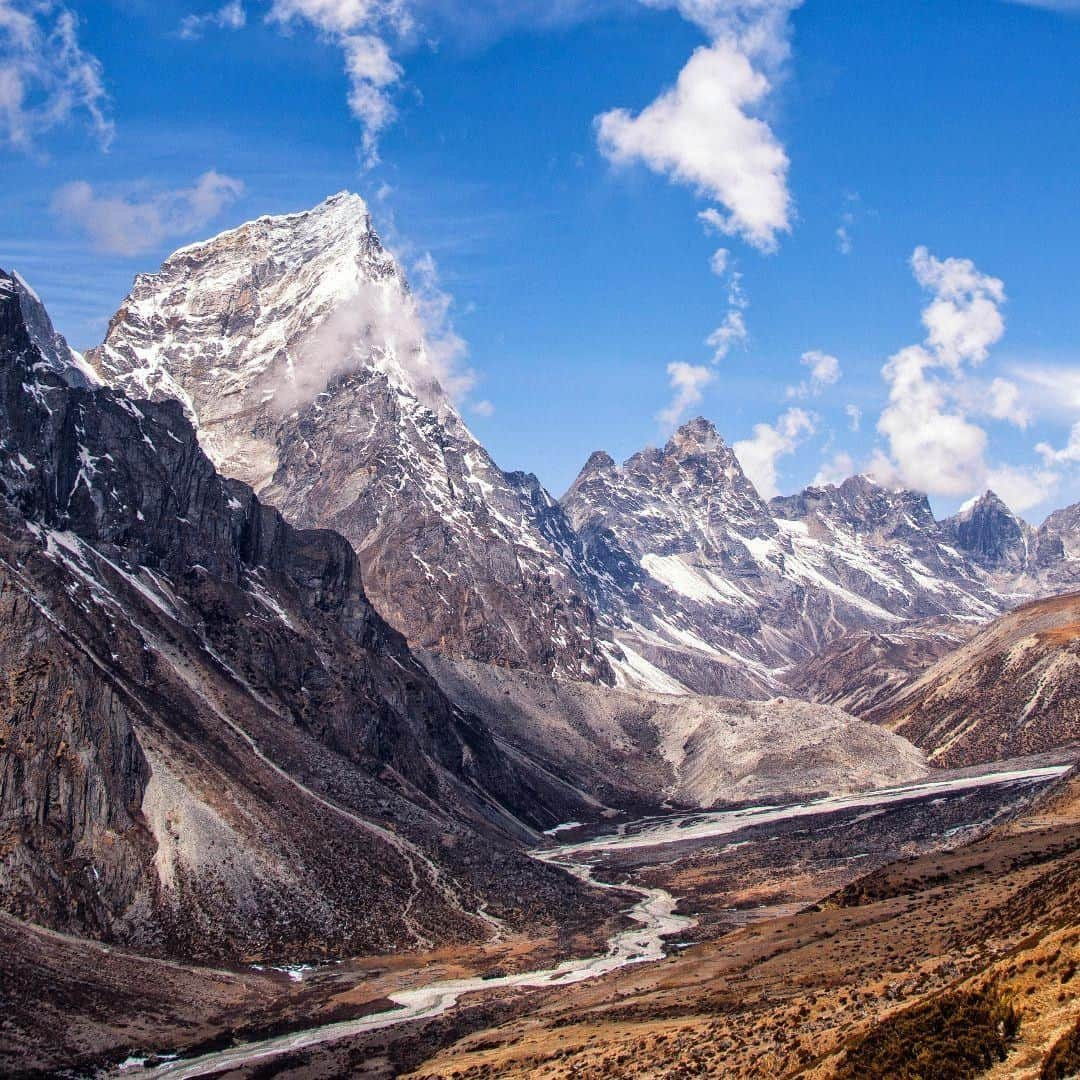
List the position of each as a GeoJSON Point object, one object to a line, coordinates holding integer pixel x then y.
{"type": "Point", "coordinates": [483, 408]}
{"type": "Point", "coordinates": [131, 225]}
{"type": "Point", "coordinates": [731, 332]}
{"type": "Point", "coordinates": [854, 415]}
{"type": "Point", "coordinates": [230, 16]}
{"type": "Point", "coordinates": [844, 243]}
{"type": "Point", "coordinates": [1004, 402]}
{"type": "Point", "coordinates": [934, 448]}
{"type": "Point", "coordinates": [46, 77]}
{"type": "Point", "coordinates": [1052, 389]}
{"type": "Point", "coordinates": [1021, 488]}
{"type": "Point", "coordinates": [963, 320]}
{"type": "Point", "coordinates": [760, 27]}
{"type": "Point", "coordinates": [835, 471]}
{"type": "Point", "coordinates": [824, 371]}
{"type": "Point", "coordinates": [760, 455]}
{"type": "Point", "coordinates": [688, 382]}
{"type": "Point", "coordinates": [360, 28]}
{"type": "Point", "coordinates": [1069, 454]}
{"type": "Point", "coordinates": [411, 329]}
{"type": "Point", "coordinates": [718, 264]}
{"type": "Point", "coordinates": [934, 445]}
{"type": "Point", "coordinates": [702, 133]}
{"type": "Point", "coordinates": [445, 349]}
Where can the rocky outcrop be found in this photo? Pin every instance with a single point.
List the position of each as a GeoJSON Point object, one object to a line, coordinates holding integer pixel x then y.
{"type": "Point", "coordinates": [211, 745]}
{"type": "Point", "coordinates": [296, 347]}
{"type": "Point", "coordinates": [863, 668]}
{"type": "Point", "coordinates": [1012, 689]}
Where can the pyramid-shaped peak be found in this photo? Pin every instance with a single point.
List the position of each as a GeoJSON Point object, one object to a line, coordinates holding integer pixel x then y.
{"type": "Point", "coordinates": [697, 436]}
{"type": "Point", "coordinates": [339, 223]}
{"type": "Point", "coordinates": [599, 460]}
{"type": "Point", "coordinates": [987, 505]}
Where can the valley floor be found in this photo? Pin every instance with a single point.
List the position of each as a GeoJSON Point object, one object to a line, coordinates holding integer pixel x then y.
{"type": "Point", "coordinates": [771, 980]}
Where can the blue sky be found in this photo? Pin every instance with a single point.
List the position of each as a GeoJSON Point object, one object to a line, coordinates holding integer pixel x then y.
{"type": "Point", "coordinates": [573, 248]}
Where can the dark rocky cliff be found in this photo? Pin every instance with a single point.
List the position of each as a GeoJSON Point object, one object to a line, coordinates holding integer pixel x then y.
{"type": "Point", "coordinates": [210, 743]}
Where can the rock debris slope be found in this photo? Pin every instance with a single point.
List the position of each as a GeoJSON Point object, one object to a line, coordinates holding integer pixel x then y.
{"type": "Point", "coordinates": [210, 744]}
{"type": "Point", "coordinates": [634, 749]}
{"type": "Point", "coordinates": [297, 349]}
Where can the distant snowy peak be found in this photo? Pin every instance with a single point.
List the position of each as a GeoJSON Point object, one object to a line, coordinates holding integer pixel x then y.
{"type": "Point", "coordinates": [54, 352]}
{"type": "Point", "coordinates": [861, 504]}
{"type": "Point", "coordinates": [719, 590]}
{"type": "Point", "coordinates": [690, 494]}
{"type": "Point", "coordinates": [1061, 530]}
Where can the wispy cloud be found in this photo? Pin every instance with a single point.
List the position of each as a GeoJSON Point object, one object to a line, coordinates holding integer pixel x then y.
{"type": "Point", "coordinates": [363, 30]}
{"type": "Point", "coordinates": [230, 16]}
{"type": "Point", "coordinates": [46, 77]}
{"type": "Point", "coordinates": [934, 444]}
{"type": "Point", "coordinates": [835, 471]}
{"type": "Point", "coordinates": [135, 223]}
{"type": "Point", "coordinates": [849, 216]}
{"type": "Point", "coordinates": [825, 371]}
{"type": "Point", "coordinates": [688, 382]}
{"type": "Point", "coordinates": [1069, 454]}
{"type": "Point", "coordinates": [760, 455]}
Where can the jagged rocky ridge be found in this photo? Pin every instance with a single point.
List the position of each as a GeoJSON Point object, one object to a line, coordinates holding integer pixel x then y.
{"type": "Point", "coordinates": [210, 744]}
{"type": "Point", "coordinates": [725, 592]}
{"type": "Point", "coordinates": [296, 347]}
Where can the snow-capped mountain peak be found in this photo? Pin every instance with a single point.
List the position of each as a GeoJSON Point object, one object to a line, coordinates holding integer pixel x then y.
{"type": "Point", "coordinates": [299, 350]}
{"type": "Point", "coordinates": [261, 318]}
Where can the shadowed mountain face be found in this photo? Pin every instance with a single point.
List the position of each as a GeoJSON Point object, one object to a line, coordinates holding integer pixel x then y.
{"type": "Point", "coordinates": [210, 743]}
{"type": "Point", "coordinates": [298, 351]}
{"type": "Point", "coordinates": [1013, 689]}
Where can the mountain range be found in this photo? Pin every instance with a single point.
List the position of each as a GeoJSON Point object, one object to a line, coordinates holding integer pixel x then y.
{"type": "Point", "coordinates": [297, 350]}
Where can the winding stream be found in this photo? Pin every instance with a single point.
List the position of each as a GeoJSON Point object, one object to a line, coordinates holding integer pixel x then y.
{"type": "Point", "coordinates": [654, 914]}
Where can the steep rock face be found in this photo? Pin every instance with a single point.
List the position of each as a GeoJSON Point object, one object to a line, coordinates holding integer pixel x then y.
{"type": "Point", "coordinates": [1063, 528]}
{"type": "Point", "coordinates": [297, 349]}
{"type": "Point", "coordinates": [887, 547]}
{"type": "Point", "coordinates": [1013, 689]}
{"type": "Point", "coordinates": [1054, 566]}
{"type": "Point", "coordinates": [723, 592]}
{"type": "Point", "coordinates": [210, 743]}
{"type": "Point", "coordinates": [1019, 561]}
{"type": "Point", "coordinates": [991, 534]}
